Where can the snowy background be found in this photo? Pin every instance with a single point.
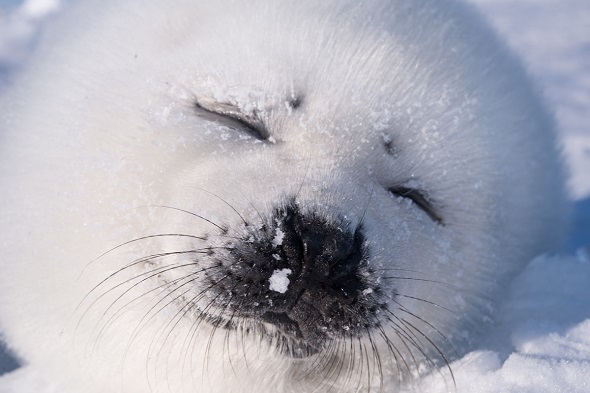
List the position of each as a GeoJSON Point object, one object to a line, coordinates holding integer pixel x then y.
{"type": "Point", "coordinates": [542, 339]}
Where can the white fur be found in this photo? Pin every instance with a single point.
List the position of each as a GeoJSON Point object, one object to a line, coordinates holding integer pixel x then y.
{"type": "Point", "coordinates": [100, 129]}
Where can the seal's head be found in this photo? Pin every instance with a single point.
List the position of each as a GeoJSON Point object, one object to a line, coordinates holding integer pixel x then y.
{"type": "Point", "coordinates": [291, 195]}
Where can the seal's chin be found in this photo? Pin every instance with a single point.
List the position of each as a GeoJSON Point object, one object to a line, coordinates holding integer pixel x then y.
{"type": "Point", "coordinates": [291, 342]}
{"type": "Point", "coordinates": [276, 328]}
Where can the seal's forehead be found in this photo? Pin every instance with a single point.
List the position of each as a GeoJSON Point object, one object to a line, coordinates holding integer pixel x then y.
{"type": "Point", "coordinates": [377, 50]}
{"type": "Point", "coordinates": [344, 54]}
{"type": "Point", "coordinates": [380, 64]}
{"type": "Point", "coordinates": [267, 47]}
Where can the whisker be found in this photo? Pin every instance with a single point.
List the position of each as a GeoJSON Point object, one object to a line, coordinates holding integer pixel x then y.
{"type": "Point", "coordinates": [222, 229]}
{"type": "Point", "coordinates": [226, 202]}
{"type": "Point", "coordinates": [428, 302]}
{"type": "Point", "coordinates": [137, 240]}
{"type": "Point", "coordinates": [440, 352]}
{"type": "Point", "coordinates": [149, 273]}
{"type": "Point", "coordinates": [136, 262]}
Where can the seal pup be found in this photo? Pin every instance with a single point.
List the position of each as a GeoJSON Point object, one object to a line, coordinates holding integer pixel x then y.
{"type": "Point", "coordinates": [266, 196]}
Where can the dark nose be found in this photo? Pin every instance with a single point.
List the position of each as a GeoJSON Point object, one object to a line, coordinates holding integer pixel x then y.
{"type": "Point", "coordinates": [326, 255]}
{"type": "Point", "coordinates": [322, 265]}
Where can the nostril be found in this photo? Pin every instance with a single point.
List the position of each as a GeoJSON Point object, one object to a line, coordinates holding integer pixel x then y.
{"type": "Point", "coordinates": [331, 253]}
{"type": "Point", "coordinates": [349, 253]}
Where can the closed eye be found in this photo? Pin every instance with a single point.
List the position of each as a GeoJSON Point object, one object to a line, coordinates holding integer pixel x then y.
{"type": "Point", "coordinates": [232, 116]}
{"type": "Point", "coordinates": [419, 199]}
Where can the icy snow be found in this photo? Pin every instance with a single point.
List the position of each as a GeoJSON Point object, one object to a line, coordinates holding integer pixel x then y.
{"type": "Point", "coordinates": [553, 39]}
{"type": "Point", "coordinates": [542, 339]}
{"type": "Point", "coordinates": [279, 281]}
{"type": "Point", "coordinates": [19, 23]}
{"type": "Point", "coordinates": [278, 238]}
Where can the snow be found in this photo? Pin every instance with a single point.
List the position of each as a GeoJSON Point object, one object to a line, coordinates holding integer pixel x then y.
{"type": "Point", "coordinates": [19, 24]}
{"type": "Point", "coordinates": [541, 342]}
{"type": "Point", "coordinates": [279, 281]}
{"type": "Point", "coordinates": [553, 39]}
{"type": "Point", "coordinates": [279, 236]}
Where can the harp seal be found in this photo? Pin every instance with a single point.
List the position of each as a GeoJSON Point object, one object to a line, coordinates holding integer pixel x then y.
{"type": "Point", "coordinates": [266, 196]}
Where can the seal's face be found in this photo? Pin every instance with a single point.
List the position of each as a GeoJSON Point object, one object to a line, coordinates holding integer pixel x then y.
{"type": "Point", "coordinates": [301, 212]}
{"type": "Point", "coordinates": [291, 233]}
{"type": "Point", "coordinates": [316, 200]}
{"type": "Point", "coordinates": [295, 195]}
{"type": "Point", "coordinates": [290, 183]}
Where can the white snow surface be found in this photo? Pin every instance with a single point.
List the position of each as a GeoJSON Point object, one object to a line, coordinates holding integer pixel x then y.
{"type": "Point", "coordinates": [19, 24]}
{"type": "Point", "coordinates": [541, 342]}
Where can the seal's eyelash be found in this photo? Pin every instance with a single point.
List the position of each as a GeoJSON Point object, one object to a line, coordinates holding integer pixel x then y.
{"type": "Point", "coordinates": [419, 199]}
{"type": "Point", "coordinates": [209, 108]}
